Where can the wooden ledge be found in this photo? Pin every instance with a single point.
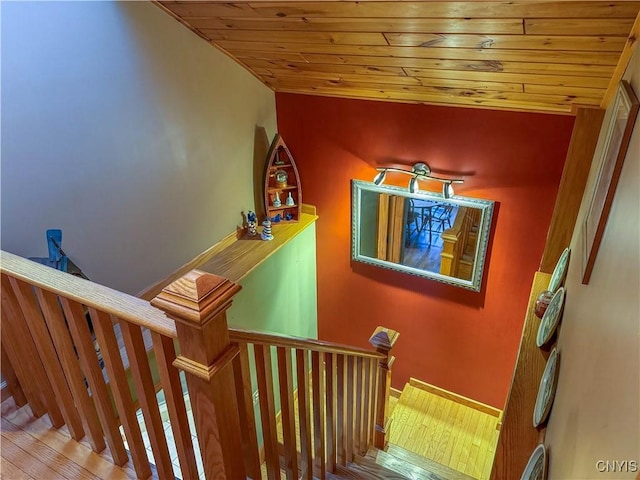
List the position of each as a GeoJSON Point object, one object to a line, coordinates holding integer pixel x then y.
{"type": "Point", "coordinates": [236, 255]}
{"type": "Point", "coordinates": [241, 257]}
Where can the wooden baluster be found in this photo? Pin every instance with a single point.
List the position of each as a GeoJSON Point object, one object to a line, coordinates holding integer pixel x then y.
{"type": "Point", "coordinates": [264, 371]}
{"type": "Point", "coordinates": [341, 427]}
{"type": "Point", "coordinates": [25, 358]}
{"type": "Point", "coordinates": [244, 393]}
{"type": "Point", "coordinates": [81, 334]}
{"type": "Point", "coordinates": [374, 399]}
{"type": "Point", "coordinates": [350, 407]}
{"type": "Point", "coordinates": [330, 377]}
{"type": "Point", "coordinates": [383, 339]}
{"type": "Point", "coordinates": [287, 408]}
{"type": "Point", "coordinates": [198, 302]}
{"type": "Point", "coordinates": [69, 362]}
{"type": "Point", "coordinates": [103, 326]}
{"type": "Point", "coordinates": [165, 352]}
{"type": "Point", "coordinates": [23, 372]}
{"type": "Point", "coordinates": [9, 375]}
{"type": "Point", "coordinates": [359, 394]}
{"type": "Point", "coordinates": [304, 412]}
{"type": "Point", "coordinates": [366, 398]}
{"type": "Point", "coordinates": [143, 381]}
{"type": "Point", "coordinates": [319, 398]}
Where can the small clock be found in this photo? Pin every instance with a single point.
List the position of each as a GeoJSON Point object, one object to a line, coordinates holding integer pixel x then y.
{"type": "Point", "coordinates": [281, 178]}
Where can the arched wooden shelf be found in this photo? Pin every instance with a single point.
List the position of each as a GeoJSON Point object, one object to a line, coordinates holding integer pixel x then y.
{"type": "Point", "coordinates": [280, 165]}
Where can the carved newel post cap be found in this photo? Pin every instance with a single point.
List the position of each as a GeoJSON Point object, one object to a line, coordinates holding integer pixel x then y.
{"type": "Point", "coordinates": [196, 296]}
{"type": "Point", "coordinates": [384, 338]}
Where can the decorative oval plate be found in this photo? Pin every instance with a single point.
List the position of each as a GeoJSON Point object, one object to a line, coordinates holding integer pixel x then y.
{"type": "Point", "coordinates": [557, 277]}
{"type": "Point", "coordinates": [536, 468]}
{"type": "Point", "coordinates": [547, 389]}
{"type": "Point", "coordinates": [551, 318]}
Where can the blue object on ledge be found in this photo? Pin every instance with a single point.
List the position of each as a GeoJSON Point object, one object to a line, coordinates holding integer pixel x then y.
{"type": "Point", "coordinates": [57, 258]}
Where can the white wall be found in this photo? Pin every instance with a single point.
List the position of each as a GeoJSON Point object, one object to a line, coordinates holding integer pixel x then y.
{"type": "Point", "coordinates": [596, 413]}
{"type": "Point", "coordinates": [126, 130]}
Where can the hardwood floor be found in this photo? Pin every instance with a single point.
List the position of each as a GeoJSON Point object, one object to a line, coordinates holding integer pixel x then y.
{"type": "Point", "coordinates": [432, 438]}
{"type": "Point", "coordinates": [445, 431]}
{"type": "Point", "coordinates": [32, 449]}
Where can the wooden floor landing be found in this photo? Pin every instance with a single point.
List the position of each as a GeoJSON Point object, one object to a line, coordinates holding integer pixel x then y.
{"type": "Point", "coordinates": [445, 431]}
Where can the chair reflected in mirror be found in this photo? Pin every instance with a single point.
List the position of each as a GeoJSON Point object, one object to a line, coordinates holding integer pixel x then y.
{"type": "Point", "coordinates": [426, 222]}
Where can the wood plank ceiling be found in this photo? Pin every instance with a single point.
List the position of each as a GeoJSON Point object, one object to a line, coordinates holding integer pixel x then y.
{"type": "Point", "coordinates": [520, 55]}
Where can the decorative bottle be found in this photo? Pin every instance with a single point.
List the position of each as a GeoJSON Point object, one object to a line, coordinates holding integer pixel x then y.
{"type": "Point", "coordinates": [276, 200]}
{"type": "Point", "coordinates": [289, 202]}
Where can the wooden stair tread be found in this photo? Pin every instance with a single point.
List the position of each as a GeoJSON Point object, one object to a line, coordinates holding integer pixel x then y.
{"type": "Point", "coordinates": [419, 465]}
{"type": "Point", "coordinates": [395, 464]}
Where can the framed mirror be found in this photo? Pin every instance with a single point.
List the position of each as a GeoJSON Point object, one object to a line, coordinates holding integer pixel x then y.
{"type": "Point", "coordinates": [421, 233]}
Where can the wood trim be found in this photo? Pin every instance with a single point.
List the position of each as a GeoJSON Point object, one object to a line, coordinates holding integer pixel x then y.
{"type": "Point", "coordinates": [395, 393]}
{"type": "Point", "coordinates": [217, 253]}
{"type": "Point", "coordinates": [623, 61]}
{"type": "Point", "coordinates": [582, 146]}
{"type": "Point", "coordinates": [518, 437]}
{"type": "Point", "coordinates": [153, 290]}
{"type": "Point", "coordinates": [240, 258]}
{"type": "Point", "coordinates": [259, 338]}
{"type": "Point", "coordinates": [93, 295]}
{"type": "Point", "coordinates": [455, 397]}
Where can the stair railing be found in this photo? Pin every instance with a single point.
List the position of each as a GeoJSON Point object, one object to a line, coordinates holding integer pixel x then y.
{"type": "Point", "coordinates": [86, 355]}
{"type": "Point", "coordinates": [70, 345]}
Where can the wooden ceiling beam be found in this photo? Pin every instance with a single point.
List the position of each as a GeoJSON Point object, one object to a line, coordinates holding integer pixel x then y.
{"type": "Point", "coordinates": [552, 56]}
{"type": "Point", "coordinates": [585, 70]}
{"type": "Point", "coordinates": [442, 84]}
{"type": "Point", "coordinates": [516, 42]}
{"type": "Point", "coordinates": [461, 25]}
{"type": "Point", "coordinates": [582, 26]}
{"type": "Point", "coordinates": [443, 100]}
{"type": "Point", "coordinates": [409, 9]}
{"type": "Point", "coordinates": [558, 80]}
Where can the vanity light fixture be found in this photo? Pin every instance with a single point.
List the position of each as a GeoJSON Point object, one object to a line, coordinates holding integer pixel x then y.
{"type": "Point", "coordinates": [419, 171]}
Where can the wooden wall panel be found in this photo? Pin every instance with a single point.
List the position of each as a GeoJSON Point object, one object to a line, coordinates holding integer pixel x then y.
{"type": "Point", "coordinates": [574, 178]}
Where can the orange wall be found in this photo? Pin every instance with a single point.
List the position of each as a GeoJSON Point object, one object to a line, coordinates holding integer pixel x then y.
{"type": "Point", "coordinates": [462, 341]}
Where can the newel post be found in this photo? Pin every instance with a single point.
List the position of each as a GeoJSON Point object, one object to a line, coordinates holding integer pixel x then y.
{"type": "Point", "coordinates": [383, 339]}
{"type": "Point", "coordinates": [198, 303]}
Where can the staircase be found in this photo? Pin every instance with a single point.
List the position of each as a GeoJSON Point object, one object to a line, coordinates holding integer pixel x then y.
{"type": "Point", "coordinates": [322, 408]}
{"type": "Point", "coordinates": [32, 448]}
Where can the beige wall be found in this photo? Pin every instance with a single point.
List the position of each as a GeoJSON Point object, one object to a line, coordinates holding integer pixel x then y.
{"type": "Point", "coordinates": [126, 130]}
{"type": "Point", "coordinates": [596, 414]}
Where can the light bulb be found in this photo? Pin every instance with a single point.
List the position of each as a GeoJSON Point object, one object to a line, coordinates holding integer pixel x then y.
{"type": "Point", "coordinates": [447, 190]}
{"type": "Point", "coordinates": [413, 185]}
{"type": "Point", "coordinates": [379, 178]}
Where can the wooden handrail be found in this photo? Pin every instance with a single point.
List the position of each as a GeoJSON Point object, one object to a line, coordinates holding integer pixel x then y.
{"type": "Point", "coordinates": [287, 341]}
{"type": "Point", "coordinates": [126, 307]}
{"type": "Point", "coordinates": [342, 391]}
